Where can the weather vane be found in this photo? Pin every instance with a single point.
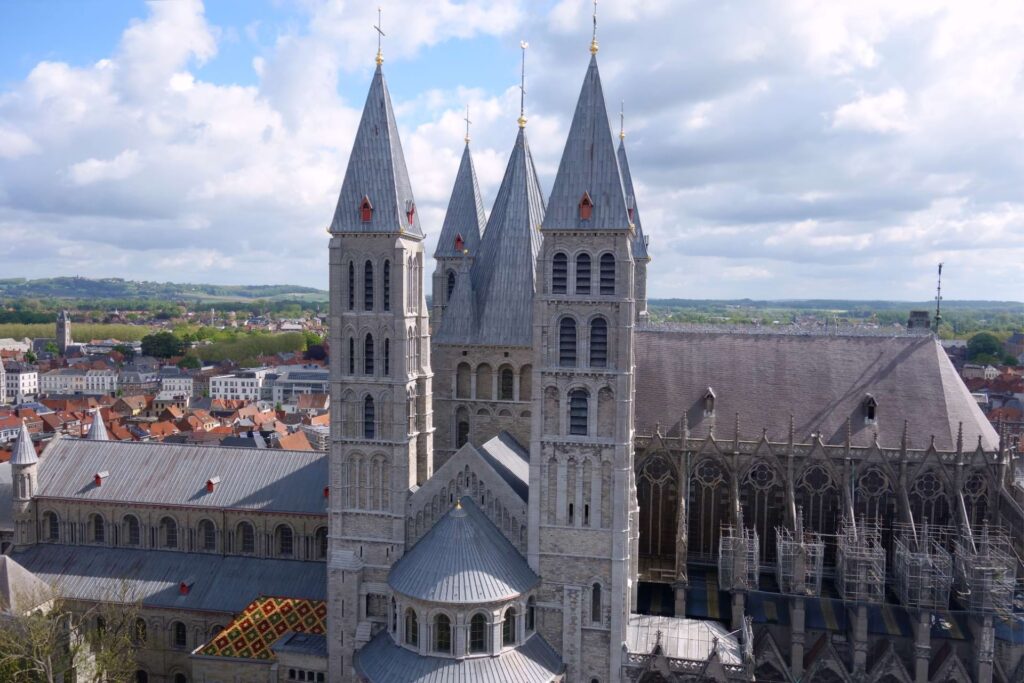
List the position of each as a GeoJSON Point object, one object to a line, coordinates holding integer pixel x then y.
{"type": "Point", "coordinates": [593, 41]}
{"type": "Point", "coordinates": [522, 87]}
{"type": "Point", "coordinates": [467, 123]}
{"type": "Point", "coordinates": [380, 34]}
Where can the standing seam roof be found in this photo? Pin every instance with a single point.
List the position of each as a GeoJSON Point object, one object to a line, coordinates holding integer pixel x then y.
{"type": "Point", "coordinates": [589, 164]}
{"type": "Point", "coordinates": [465, 215]}
{"type": "Point", "coordinates": [463, 559]}
{"type": "Point", "coordinates": [639, 242]}
{"type": "Point", "coordinates": [377, 170]}
{"type": "Point", "coordinates": [24, 452]}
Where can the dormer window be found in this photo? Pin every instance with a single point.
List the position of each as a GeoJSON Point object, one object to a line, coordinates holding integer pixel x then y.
{"type": "Point", "coordinates": [870, 410]}
{"type": "Point", "coordinates": [709, 402]}
{"type": "Point", "coordinates": [365, 210]}
{"type": "Point", "coordinates": [98, 478]}
{"type": "Point", "coordinates": [410, 210]}
{"type": "Point", "coordinates": [460, 244]}
{"type": "Point", "coordinates": [586, 207]}
{"type": "Point", "coordinates": [211, 484]}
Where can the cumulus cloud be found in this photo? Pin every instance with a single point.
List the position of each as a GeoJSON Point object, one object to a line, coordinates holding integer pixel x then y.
{"type": "Point", "coordinates": [839, 149]}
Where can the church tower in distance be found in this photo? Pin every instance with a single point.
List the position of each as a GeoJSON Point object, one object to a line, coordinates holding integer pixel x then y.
{"type": "Point", "coordinates": [381, 423]}
{"type": "Point", "coordinates": [582, 507]}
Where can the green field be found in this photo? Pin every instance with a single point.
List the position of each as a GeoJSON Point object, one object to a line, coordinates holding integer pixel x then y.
{"type": "Point", "coordinates": [80, 332]}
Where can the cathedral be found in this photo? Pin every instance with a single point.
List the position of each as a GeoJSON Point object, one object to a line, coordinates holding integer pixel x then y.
{"type": "Point", "coordinates": [529, 481]}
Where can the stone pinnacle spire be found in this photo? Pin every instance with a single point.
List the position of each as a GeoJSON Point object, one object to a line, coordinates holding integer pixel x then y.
{"type": "Point", "coordinates": [465, 220]}
{"type": "Point", "coordinates": [24, 452]}
{"type": "Point", "coordinates": [97, 430]}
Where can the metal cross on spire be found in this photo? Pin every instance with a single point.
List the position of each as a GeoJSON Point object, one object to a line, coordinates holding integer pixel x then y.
{"type": "Point", "coordinates": [467, 123]}
{"type": "Point", "coordinates": [380, 34]}
{"type": "Point", "coordinates": [593, 40]}
{"type": "Point", "coordinates": [522, 86]}
{"type": "Point", "coordinates": [622, 120]}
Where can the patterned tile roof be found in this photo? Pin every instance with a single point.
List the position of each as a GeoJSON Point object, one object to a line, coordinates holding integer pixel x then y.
{"type": "Point", "coordinates": [820, 380]}
{"type": "Point", "coordinates": [640, 242]}
{"type": "Point", "coordinates": [377, 170]}
{"type": "Point", "coordinates": [266, 620]}
{"type": "Point", "coordinates": [176, 474]}
{"type": "Point", "coordinates": [463, 559]}
{"type": "Point", "coordinates": [589, 165]}
{"type": "Point", "coordinates": [465, 214]}
{"type": "Point", "coordinates": [382, 661]}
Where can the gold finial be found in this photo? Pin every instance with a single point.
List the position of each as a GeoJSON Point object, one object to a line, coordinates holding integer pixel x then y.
{"type": "Point", "coordinates": [522, 86]}
{"type": "Point", "coordinates": [593, 41]}
{"type": "Point", "coordinates": [467, 124]}
{"type": "Point", "coordinates": [458, 504]}
{"type": "Point", "coordinates": [380, 34]}
{"type": "Point", "coordinates": [622, 120]}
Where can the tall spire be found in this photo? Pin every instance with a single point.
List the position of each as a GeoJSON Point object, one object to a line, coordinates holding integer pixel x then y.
{"type": "Point", "coordinates": [522, 86]}
{"type": "Point", "coordinates": [640, 243]}
{"type": "Point", "coordinates": [376, 195]}
{"type": "Point", "coordinates": [589, 167]}
{"type": "Point", "coordinates": [24, 452]}
{"type": "Point", "coordinates": [97, 430]}
{"type": "Point", "coordinates": [465, 220]}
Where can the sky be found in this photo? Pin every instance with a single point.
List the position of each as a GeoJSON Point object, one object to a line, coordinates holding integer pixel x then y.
{"type": "Point", "coordinates": [781, 149]}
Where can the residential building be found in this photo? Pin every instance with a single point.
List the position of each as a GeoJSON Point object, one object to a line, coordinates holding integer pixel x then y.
{"type": "Point", "coordinates": [291, 383]}
{"type": "Point", "coordinates": [22, 383]}
{"type": "Point", "coordinates": [176, 380]}
{"type": "Point", "coordinates": [245, 385]}
{"type": "Point", "coordinates": [79, 381]}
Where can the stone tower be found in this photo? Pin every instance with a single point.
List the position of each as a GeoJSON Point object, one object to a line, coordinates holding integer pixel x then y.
{"type": "Point", "coordinates": [381, 424]}
{"type": "Point", "coordinates": [582, 507]}
{"type": "Point", "coordinates": [24, 466]}
{"type": "Point", "coordinates": [484, 354]}
{"type": "Point", "coordinates": [63, 332]}
{"type": "Point", "coordinates": [460, 235]}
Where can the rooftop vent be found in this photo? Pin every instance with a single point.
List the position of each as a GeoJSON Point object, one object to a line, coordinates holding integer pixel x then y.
{"type": "Point", "coordinates": [211, 484]}
{"type": "Point", "coordinates": [185, 587]}
{"type": "Point", "coordinates": [99, 477]}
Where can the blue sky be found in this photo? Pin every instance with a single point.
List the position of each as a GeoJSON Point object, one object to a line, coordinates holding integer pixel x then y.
{"type": "Point", "coordinates": [784, 150]}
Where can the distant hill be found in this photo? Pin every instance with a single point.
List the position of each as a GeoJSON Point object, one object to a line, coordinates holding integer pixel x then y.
{"type": "Point", "coordinates": [116, 288]}
{"type": "Point", "coordinates": [841, 304]}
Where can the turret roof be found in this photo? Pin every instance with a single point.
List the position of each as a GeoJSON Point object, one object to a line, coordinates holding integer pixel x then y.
{"type": "Point", "coordinates": [24, 452]}
{"type": "Point", "coordinates": [97, 430]}
{"type": "Point", "coordinates": [640, 243]}
{"type": "Point", "coordinates": [465, 216]}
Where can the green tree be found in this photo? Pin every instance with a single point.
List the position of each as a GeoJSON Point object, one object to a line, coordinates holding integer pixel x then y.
{"type": "Point", "coordinates": [162, 345]}
{"type": "Point", "coordinates": [126, 351]}
{"type": "Point", "coordinates": [190, 363]}
{"type": "Point", "coordinates": [984, 344]}
{"type": "Point", "coordinates": [51, 347]}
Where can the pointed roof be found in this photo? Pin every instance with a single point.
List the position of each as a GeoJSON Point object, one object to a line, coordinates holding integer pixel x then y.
{"type": "Point", "coordinates": [589, 165]}
{"type": "Point", "coordinates": [505, 269]}
{"type": "Point", "coordinates": [458, 324]}
{"type": "Point", "coordinates": [640, 242]}
{"type": "Point", "coordinates": [24, 452]}
{"type": "Point", "coordinates": [20, 589]}
{"type": "Point", "coordinates": [97, 430]}
{"type": "Point", "coordinates": [465, 216]}
{"type": "Point", "coordinates": [463, 559]}
{"type": "Point", "coordinates": [376, 171]}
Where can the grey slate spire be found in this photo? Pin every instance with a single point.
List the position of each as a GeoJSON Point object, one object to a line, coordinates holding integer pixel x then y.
{"type": "Point", "coordinates": [589, 165]}
{"type": "Point", "coordinates": [640, 243]}
{"type": "Point", "coordinates": [24, 452]}
{"type": "Point", "coordinates": [504, 270]}
{"type": "Point", "coordinates": [465, 214]}
{"type": "Point", "coordinates": [97, 430]}
{"type": "Point", "coordinates": [377, 172]}
{"type": "Point", "coordinates": [458, 326]}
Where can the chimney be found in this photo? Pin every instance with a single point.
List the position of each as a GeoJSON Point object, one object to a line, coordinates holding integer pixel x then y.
{"type": "Point", "coordinates": [99, 477]}
{"type": "Point", "coordinates": [186, 586]}
{"type": "Point", "coordinates": [211, 484]}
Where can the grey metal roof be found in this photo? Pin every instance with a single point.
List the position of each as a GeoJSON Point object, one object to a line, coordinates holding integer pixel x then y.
{"type": "Point", "coordinates": [20, 590]}
{"type": "Point", "coordinates": [640, 241]}
{"type": "Point", "coordinates": [819, 380]}
{"type": "Point", "coordinates": [505, 269]}
{"type": "Point", "coordinates": [6, 497]}
{"type": "Point", "coordinates": [376, 169]}
{"type": "Point", "coordinates": [690, 639]}
{"type": "Point", "coordinates": [510, 460]}
{"type": "Point", "coordinates": [459, 322]}
{"type": "Point", "coordinates": [313, 644]}
{"type": "Point", "coordinates": [463, 559]}
{"type": "Point", "coordinates": [176, 474]}
{"type": "Point", "coordinates": [220, 583]}
{"type": "Point", "coordinates": [383, 661]}
{"type": "Point", "coordinates": [465, 214]}
{"type": "Point", "coordinates": [97, 430]}
{"type": "Point", "coordinates": [589, 164]}
{"type": "Point", "coordinates": [24, 452]}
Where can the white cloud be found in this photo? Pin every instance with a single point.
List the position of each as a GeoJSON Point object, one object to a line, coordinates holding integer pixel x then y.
{"type": "Point", "coordinates": [90, 171]}
{"type": "Point", "coordinates": [14, 143]}
{"type": "Point", "coordinates": [882, 113]}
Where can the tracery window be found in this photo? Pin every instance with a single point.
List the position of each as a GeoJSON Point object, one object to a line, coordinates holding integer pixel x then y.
{"type": "Point", "coordinates": [976, 497]}
{"type": "Point", "coordinates": [709, 500]}
{"type": "Point", "coordinates": [817, 494]}
{"type": "Point", "coordinates": [762, 500]}
{"type": "Point", "coordinates": [658, 495]}
{"type": "Point", "coordinates": [928, 501]}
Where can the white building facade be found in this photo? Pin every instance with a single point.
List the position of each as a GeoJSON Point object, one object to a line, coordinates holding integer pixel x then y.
{"type": "Point", "coordinates": [245, 385]}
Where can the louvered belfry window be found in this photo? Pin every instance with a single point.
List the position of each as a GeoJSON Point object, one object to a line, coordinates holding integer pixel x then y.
{"type": "Point", "coordinates": [351, 285]}
{"type": "Point", "coordinates": [598, 343]}
{"type": "Point", "coordinates": [368, 355]}
{"type": "Point", "coordinates": [368, 286]}
{"type": "Point", "coordinates": [578, 399]}
{"type": "Point", "coordinates": [369, 419]}
{"type": "Point", "coordinates": [607, 274]}
{"type": "Point", "coordinates": [387, 286]}
{"type": "Point", "coordinates": [567, 343]}
{"type": "Point", "coordinates": [583, 274]}
{"type": "Point", "coordinates": [559, 273]}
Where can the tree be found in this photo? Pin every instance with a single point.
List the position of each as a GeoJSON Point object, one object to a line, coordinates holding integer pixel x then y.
{"type": "Point", "coordinates": [190, 363]}
{"type": "Point", "coordinates": [51, 347]}
{"type": "Point", "coordinates": [162, 345]}
{"type": "Point", "coordinates": [984, 344]}
{"type": "Point", "coordinates": [126, 351]}
{"type": "Point", "coordinates": [49, 639]}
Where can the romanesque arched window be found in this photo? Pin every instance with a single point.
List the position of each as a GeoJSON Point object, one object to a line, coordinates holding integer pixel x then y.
{"type": "Point", "coordinates": [246, 538]}
{"type": "Point", "coordinates": [207, 535]}
{"type": "Point", "coordinates": [442, 634]}
{"type": "Point", "coordinates": [97, 529]}
{"type": "Point", "coordinates": [526, 383]}
{"type": "Point", "coordinates": [595, 603]}
{"type": "Point", "coordinates": [607, 274]}
{"type": "Point", "coordinates": [583, 274]}
{"type": "Point", "coordinates": [484, 381]}
{"type": "Point", "coordinates": [578, 412]}
{"type": "Point", "coordinates": [351, 356]}
{"type": "Point", "coordinates": [179, 635]}
{"type": "Point", "coordinates": [478, 633]}
{"type": "Point", "coordinates": [531, 609]}
{"type": "Point", "coordinates": [132, 530]}
{"type": "Point", "coordinates": [463, 380]}
{"type": "Point", "coordinates": [412, 628]}
{"type": "Point", "coordinates": [369, 419]}
{"type": "Point", "coordinates": [168, 533]}
{"type": "Point", "coordinates": [320, 542]}
{"type": "Point", "coordinates": [559, 273]}
{"type": "Point", "coordinates": [51, 526]}
{"type": "Point", "coordinates": [284, 540]}
{"type": "Point", "coordinates": [598, 342]}
{"type": "Point", "coordinates": [506, 383]}
{"type": "Point", "coordinates": [387, 286]}
{"type": "Point", "coordinates": [368, 286]}
{"type": "Point", "coordinates": [461, 427]}
{"type": "Point", "coordinates": [351, 285]}
{"type": "Point", "coordinates": [567, 342]}
{"type": "Point", "coordinates": [368, 355]}
{"type": "Point", "coordinates": [508, 627]}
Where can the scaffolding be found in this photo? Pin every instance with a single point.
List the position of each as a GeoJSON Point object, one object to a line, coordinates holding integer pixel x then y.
{"type": "Point", "coordinates": [800, 555]}
{"type": "Point", "coordinates": [923, 568]}
{"type": "Point", "coordinates": [986, 572]}
{"type": "Point", "coordinates": [738, 566]}
{"type": "Point", "coordinates": [860, 562]}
